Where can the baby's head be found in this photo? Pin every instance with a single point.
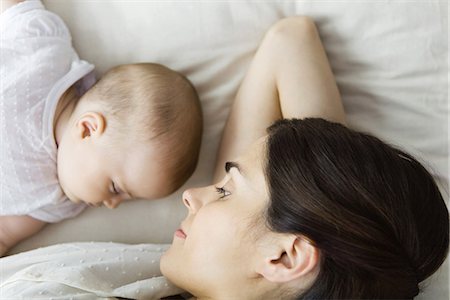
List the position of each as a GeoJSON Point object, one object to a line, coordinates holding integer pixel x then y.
{"type": "Point", "coordinates": [135, 134]}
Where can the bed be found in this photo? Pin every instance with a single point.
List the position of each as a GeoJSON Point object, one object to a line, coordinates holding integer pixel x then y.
{"type": "Point", "coordinates": [390, 59]}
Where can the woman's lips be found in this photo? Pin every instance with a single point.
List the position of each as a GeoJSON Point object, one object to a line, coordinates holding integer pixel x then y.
{"type": "Point", "coordinates": [180, 233]}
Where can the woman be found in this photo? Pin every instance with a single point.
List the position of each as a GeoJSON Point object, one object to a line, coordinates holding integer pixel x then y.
{"type": "Point", "coordinates": [311, 209]}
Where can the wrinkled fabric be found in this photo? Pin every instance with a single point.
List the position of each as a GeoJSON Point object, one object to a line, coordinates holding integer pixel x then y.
{"type": "Point", "coordinates": [86, 271]}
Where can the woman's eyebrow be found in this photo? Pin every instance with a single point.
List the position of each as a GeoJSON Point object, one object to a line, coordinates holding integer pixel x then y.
{"type": "Point", "coordinates": [232, 164]}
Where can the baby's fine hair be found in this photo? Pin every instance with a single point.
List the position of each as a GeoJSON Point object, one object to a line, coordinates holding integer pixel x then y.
{"type": "Point", "coordinates": [148, 102]}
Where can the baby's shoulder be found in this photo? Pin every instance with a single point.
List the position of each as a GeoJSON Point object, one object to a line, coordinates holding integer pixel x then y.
{"type": "Point", "coordinates": [31, 22]}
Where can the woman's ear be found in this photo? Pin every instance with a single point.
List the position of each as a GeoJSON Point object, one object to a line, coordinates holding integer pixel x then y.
{"type": "Point", "coordinates": [90, 124]}
{"type": "Point", "coordinates": [295, 257]}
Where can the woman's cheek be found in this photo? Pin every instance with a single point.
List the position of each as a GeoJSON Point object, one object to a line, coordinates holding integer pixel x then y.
{"type": "Point", "coordinates": [213, 233]}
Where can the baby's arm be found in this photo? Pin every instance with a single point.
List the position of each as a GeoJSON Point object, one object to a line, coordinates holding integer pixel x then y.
{"type": "Point", "coordinates": [5, 4]}
{"type": "Point", "coordinates": [289, 77]}
{"type": "Point", "coordinates": [13, 229]}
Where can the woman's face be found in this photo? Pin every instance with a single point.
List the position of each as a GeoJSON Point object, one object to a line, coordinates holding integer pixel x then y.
{"type": "Point", "coordinates": [215, 249]}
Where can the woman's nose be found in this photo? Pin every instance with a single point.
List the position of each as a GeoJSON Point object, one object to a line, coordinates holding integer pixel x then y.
{"type": "Point", "coordinates": [189, 200]}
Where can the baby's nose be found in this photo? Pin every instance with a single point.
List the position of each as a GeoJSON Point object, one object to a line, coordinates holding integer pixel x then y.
{"type": "Point", "coordinates": [112, 202]}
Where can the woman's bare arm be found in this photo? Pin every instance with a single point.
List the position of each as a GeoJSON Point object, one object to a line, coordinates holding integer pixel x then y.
{"type": "Point", "coordinates": [289, 77]}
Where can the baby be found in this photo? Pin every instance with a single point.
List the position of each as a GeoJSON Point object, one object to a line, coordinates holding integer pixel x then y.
{"type": "Point", "coordinates": [67, 142]}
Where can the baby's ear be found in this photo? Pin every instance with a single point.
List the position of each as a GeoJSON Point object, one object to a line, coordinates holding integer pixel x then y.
{"type": "Point", "coordinates": [295, 257]}
{"type": "Point", "coordinates": [90, 124]}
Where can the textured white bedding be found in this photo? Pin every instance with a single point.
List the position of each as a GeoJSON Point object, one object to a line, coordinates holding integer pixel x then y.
{"type": "Point", "coordinates": [390, 59]}
{"type": "Point", "coordinates": [85, 271]}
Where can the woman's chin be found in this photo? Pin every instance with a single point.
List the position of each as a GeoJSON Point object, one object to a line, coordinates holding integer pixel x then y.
{"type": "Point", "coordinates": [171, 269]}
{"type": "Point", "coordinates": [166, 264]}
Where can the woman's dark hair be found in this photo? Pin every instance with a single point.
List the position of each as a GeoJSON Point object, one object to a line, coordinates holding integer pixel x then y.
{"type": "Point", "coordinates": [374, 212]}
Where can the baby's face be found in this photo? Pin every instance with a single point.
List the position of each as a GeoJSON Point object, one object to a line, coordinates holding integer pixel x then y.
{"type": "Point", "coordinates": [89, 171]}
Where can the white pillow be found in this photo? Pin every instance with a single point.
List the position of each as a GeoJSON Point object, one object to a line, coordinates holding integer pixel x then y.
{"type": "Point", "coordinates": [390, 62]}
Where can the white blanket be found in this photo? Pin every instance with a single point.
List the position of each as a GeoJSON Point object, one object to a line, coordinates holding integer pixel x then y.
{"type": "Point", "coordinates": [85, 271]}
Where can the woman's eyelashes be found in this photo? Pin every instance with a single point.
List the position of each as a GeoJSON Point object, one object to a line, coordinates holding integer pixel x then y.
{"type": "Point", "coordinates": [223, 192]}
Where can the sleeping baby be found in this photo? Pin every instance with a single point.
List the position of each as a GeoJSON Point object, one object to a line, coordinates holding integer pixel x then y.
{"type": "Point", "coordinates": [68, 142]}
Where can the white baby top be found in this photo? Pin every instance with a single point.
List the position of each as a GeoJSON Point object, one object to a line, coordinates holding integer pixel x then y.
{"type": "Point", "coordinates": [38, 64]}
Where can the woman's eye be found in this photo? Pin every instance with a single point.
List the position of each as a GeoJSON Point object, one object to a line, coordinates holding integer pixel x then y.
{"type": "Point", "coordinates": [222, 192]}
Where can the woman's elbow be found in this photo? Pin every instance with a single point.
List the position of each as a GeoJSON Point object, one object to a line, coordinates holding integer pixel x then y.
{"type": "Point", "coordinates": [293, 30]}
